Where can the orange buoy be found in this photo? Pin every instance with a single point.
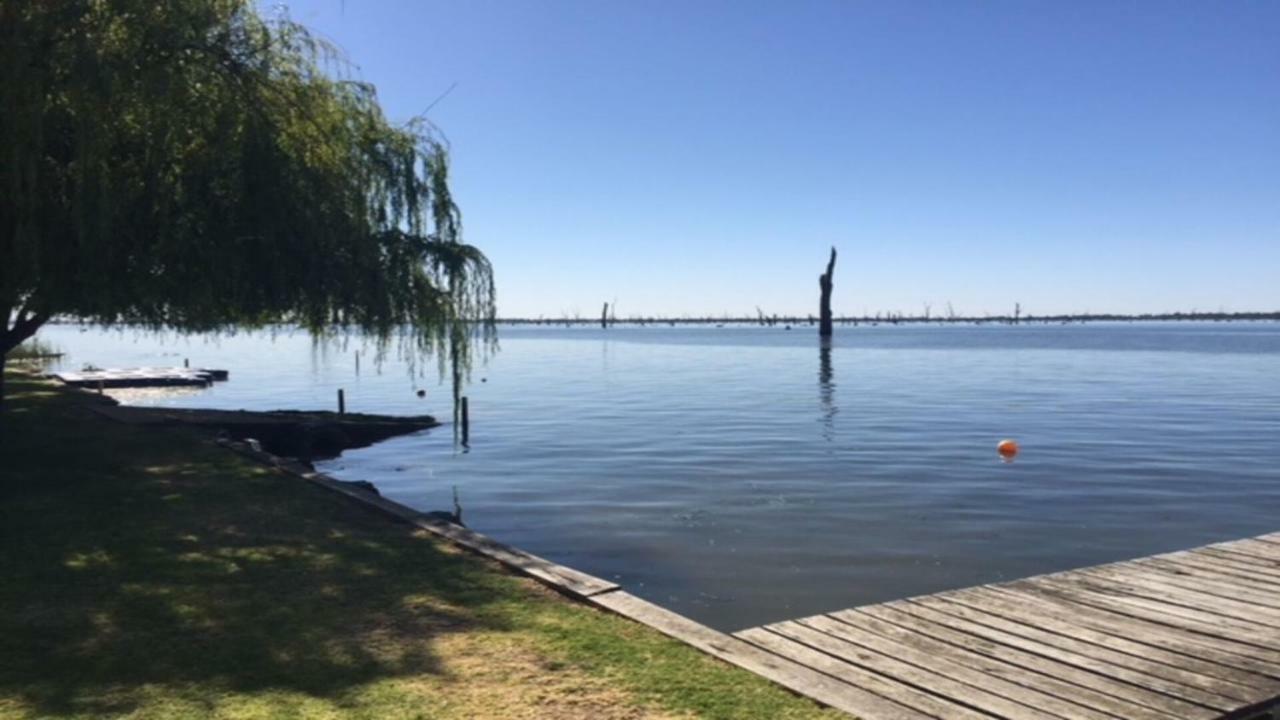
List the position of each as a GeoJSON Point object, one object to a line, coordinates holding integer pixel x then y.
{"type": "Point", "coordinates": [1007, 448]}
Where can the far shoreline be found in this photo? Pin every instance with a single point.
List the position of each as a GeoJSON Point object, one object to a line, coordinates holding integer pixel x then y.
{"type": "Point", "coordinates": [894, 319]}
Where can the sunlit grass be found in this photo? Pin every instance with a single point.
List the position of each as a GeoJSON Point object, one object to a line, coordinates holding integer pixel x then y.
{"type": "Point", "coordinates": [150, 574]}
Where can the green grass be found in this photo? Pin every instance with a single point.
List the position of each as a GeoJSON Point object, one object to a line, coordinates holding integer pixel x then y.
{"type": "Point", "coordinates": [148, 573]}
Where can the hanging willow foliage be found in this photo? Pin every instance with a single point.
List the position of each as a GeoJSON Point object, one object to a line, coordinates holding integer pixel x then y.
{"type": "Point", "coordinates": [192, 165]}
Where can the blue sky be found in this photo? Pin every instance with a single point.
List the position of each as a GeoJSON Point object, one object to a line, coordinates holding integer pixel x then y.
{"type": "Point", "coordinates": [700, 157]}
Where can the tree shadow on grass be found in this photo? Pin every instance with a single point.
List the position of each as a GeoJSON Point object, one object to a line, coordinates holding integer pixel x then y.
{"type": "Point", "coordinates": [140, 558]}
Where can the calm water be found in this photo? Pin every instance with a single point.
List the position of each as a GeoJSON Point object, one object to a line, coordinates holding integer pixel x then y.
{"type": "Point", "coordinates": [745, 475]}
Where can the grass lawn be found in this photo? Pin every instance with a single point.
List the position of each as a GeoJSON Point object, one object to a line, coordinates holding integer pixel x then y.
{"type": "Point", "coordinates": [147, 573]}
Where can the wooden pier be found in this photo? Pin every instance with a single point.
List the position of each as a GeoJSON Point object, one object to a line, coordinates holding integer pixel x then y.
{"type": "Point", "coordinates": [312, 435]}
{"type": "Point", "coordinates": [142, 377]}
{"type": "Point", "coordinates": [1191, 634]}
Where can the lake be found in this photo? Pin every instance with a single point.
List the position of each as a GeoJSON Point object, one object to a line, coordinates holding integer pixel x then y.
{"type": "Point", "coordinates": [743, 475]}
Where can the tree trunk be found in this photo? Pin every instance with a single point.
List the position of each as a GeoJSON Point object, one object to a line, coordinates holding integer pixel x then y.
{"type": "Point", "coordinates": [24, 326]}
{"type": "Point", "coordinates": [824, 304]}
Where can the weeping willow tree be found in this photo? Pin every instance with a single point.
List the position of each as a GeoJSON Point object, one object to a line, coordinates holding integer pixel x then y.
{"type": "Point", "coordinates": [192, 165]}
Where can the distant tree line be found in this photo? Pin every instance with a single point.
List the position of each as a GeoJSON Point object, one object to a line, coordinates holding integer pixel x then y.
{"type": "Point", "coordinates": [893, 318]}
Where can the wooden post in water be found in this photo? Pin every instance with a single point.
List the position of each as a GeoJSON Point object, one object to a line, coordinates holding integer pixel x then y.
{"type": "Point", "coordinates": [466, 423]}
{"type": "Point", "coordinates": [342, 402]}
{"type": "Point", "coordinates": [604, 317]}
{"type": "Point", "coordinates": [824, 302]}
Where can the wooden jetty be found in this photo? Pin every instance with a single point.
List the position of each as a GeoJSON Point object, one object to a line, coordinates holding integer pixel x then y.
{"type": "Point", "coordinates": [310, 435]}
{"type": "Point", "coordinates": [1191, 634]}
{"type": "Point", "coordinates": [142, 377]}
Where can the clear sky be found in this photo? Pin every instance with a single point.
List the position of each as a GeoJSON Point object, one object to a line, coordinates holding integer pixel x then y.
{"type": "Point", "coordinates": [700, 157]}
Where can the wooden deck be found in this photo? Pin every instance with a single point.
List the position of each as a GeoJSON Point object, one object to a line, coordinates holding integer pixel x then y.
{"type": "Point", "coordinates": [1192, 634]}
{"type": "Point", "coordinates": [142, 377]}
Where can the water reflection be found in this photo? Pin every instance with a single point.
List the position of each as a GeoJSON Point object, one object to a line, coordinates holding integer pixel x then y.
{"type": "Point", "coordinates": [827, 390]}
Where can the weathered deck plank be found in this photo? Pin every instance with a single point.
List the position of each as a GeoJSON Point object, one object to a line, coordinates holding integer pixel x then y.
{"type": "Point", "coordinates": [998, 678]}
{"type": "Point", "coordinates": [1191, 634]}
{"type": "Point", "coordinates": [1194, 592]}
{"type": "Point", "coordinates": [1132, 669]}
{"type": "Point", "coordinates": [1224, 676]}
{"type": "Point", "coordinates": [868, 654]}
{"type": "Point", "coordinates": [1171, 704]}
{"type": "Point", "coordinates": [1228, 653]}
{"type": "Point", "coordinates": [1257, 548]}
{"type": "Point", "coordinates": [919, 704]}
{"type": "Point", "coordinates": [1170, 613]}
{"type": "Point", "coordinates": [1131, 585]}
{"type": "Point", "coordinates": [1242, 561]}
{"type": "Point", "coordinates": [1225, 564]}
{"type": "Point", "coordinates": [1211, 584]}
{"type": "Point", "coordinates": [1188, 566]}
{"type": "Point", "coordinates": [1138, 703]}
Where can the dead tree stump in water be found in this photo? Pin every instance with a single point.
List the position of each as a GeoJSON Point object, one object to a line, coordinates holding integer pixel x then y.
{"type": "Point", "coordinates": [824, 304]}
{"type": "Point", "coordinates": [466, 423]}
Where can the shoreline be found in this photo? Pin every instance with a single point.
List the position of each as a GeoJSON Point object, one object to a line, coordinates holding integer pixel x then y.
{"type": "Point", "coordinates": [156, 574]}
